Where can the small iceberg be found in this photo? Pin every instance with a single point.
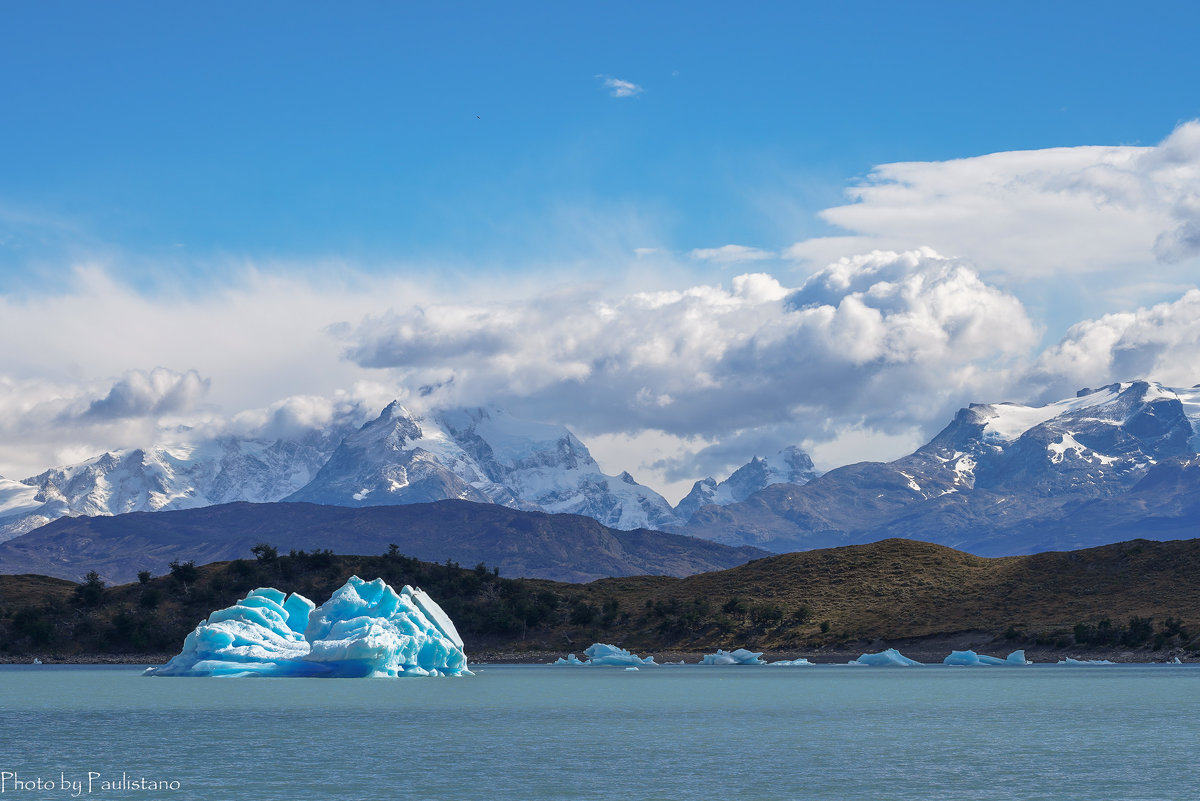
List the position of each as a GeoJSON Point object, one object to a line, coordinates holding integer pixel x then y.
{"type": "Point", "coordinates": [889, 658]}
{"type": "Point", "coordinates": [365, 629]}
{"type": "Point", "coordinates": [599, 653]}
{"type": "Point", "coordinates": [792, 663]}
{"type": "Point", "coordinates": [739, 657]}
{"type": "Point", "coordinates": [630, 668]}
{"type": "Point", "coordinates": [1070, 661]}
{"type": "Point", "coordinates": [972, 658]}
{"type": "Point", "coordinates": [570, 660]}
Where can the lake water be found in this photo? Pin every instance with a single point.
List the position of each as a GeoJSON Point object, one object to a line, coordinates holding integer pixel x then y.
{"type": "Point", "coordinates": [537, 732]}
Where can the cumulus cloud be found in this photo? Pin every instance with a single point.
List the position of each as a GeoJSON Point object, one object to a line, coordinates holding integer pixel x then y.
{"type": "Point", "coordinates": [885, 338]}
{"type": "Point", "coordinates": [1161, 342]}
{"type": "Point", "coordinates": [140, 394]}
{"type": "Point", "coordinates": [1028, 214]}
{"type": "Point", "coordinates": [620, 88]}
{"type": "Point", "coordinates": [730, 254]}
{"type": "Point", "coordinates": [43, 423]}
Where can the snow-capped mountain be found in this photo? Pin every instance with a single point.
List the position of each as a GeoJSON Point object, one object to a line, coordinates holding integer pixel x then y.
{"type": "Point", "coordinates": [1112, 463]}
{"type": "Point", "coordinates": [483, 455]}
{"type": "Point", "coordinates": [184, 476]}
{"type": "Point", "coordinates": [789, 465]}
{"type": "Point", "coordinates": [1000, 478]}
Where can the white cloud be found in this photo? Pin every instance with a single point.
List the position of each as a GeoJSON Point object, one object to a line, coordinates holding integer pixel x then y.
{"type": "Point", "coordinates": [148, 394]}
{"type": "Point", "coordinates": [672, 378]}
{"type": "Point", "coordinates": [887, 338]}
{"type": "Point", "coordinates": [1161, 343]}
{"type": "Point", "coordinates": [620, 88]}
{"type": "Point", "coordinates": [100, 365]}
{"type": "Point", "coordinates": [1025, 215]}
{"type": "Point", "coordinates": [730, 254]}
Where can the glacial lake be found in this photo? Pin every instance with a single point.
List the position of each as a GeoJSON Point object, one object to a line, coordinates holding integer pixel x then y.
{"type": "Point", "coordinates": [539, 732]}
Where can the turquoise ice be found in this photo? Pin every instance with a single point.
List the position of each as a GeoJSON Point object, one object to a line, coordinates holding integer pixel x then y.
{"type": "Point", "coordinates": [365, 629]}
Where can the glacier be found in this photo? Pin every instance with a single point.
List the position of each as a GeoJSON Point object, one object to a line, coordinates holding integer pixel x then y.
{"type": "Point", "coordinates": [738, 657]}
{"type": "Point", "coordinates": [365, 629]}
{"type": "Point", "coordinates": [889, 658]}
{"type": "Point", "coordinates": [599, 653]}
{"type": "Point", "coordinates": [972, 658]}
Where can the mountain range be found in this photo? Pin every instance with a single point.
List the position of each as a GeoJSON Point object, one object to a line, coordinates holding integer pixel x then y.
{"type": "Point", "coordinates": [481, 455]}
{"type": "Point", "coordinates": [1109, 464]}
{"type": "Point", "coordinates": [519, 544]}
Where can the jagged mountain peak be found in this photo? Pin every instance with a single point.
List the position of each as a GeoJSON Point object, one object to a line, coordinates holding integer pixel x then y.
{"type": "Point", "coordinates": [483, 454]}
{"type": "Point", "coordinates": [999, 470]}
{"type": "Point", "coordinates": [789, 465]}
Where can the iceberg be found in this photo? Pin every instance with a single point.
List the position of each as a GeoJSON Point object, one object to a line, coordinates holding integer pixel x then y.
{"type": "Point", "coordinates": [739, 657]}
{"type": "Point", "coordinates": [889, 658]}
{"type": "Point", "coordinates": [570, 660]}
{"type": "Point", "coordinates": [792, 663]}
{"type": "Point", "coordinates": [599, 653]}
{"type": "Point", "coordinates": [972, 658]}
{"type": "Point", "coordinates": [1071, 661]}
{"type": "Point", "coordinates": [365, 629]}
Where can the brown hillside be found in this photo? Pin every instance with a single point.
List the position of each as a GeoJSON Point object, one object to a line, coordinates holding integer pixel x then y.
{"type": "Point", "coordinates": [898, 589]}
{"type": "Point", "coordinates": [1137, 600]}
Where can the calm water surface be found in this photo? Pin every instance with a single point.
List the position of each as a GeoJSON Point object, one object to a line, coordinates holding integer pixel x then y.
{"type": "Point", "coordinates": [533, 732]}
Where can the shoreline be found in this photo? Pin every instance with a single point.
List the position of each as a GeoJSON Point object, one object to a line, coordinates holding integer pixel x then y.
{"type": "Point", "coordinates": [925, 654]}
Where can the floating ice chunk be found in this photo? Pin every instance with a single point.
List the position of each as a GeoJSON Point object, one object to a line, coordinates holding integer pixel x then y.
{"type": "Point", "coordinates": [739, 657]}
{"type": "Point", "coordinates": [1174, 661]}
{"type": "Point", "coordinates": [792, 663]}
{"type": "Point", "coordinates": [599, 653]}
{"type": "Point", "coordinates": [629, 669]}
{"type": "Point", "coordinates": [364, 629]}
{"type": "Point", "coordinates": [889, 658]}
{"type": "Point", "coordinates": [1071, 661]}
{"type": "Point", "coordinates": [570, 660]}
{"type": "Point", "coordinates": [1017, 658]}
{"type": "Point", "coordinates": [972, 658]}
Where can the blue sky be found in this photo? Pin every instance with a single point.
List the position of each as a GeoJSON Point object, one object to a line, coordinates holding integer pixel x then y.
{"type": "Point", "coordinates": [288, 130]}
{"type": "Point", "coordinates": [383, 158]}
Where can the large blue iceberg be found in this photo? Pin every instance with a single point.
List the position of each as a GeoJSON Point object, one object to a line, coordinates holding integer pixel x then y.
{"type": "Point", "coordinates": [599, 653]}
{"type": "Point", "coordinates": [889, 658]}
{"type": "Point", "coordinates": [972, 658]}
{"type": "Point", "coordinates": [366, 628]}
{"type": "Point", "coordinates": [739, 657]}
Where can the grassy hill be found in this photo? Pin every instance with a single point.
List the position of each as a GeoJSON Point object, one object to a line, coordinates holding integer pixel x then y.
{"type": "Point", "coordinates": [1140, 598]}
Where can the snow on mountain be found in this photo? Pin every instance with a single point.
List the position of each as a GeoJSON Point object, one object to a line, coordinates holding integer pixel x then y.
{"type": "Point", "coordinates": [789, 465]}
{"type": "Point", "coordinates": [1095, 443]}
{"type": "Point", "coordinates": [22, 511]}
{"type": "Point", "coordinates": [1000, 478]}
{"type": "Point", "coordinates": [181, 476]}
{"type": "Point", "coordinates": [484, 455]}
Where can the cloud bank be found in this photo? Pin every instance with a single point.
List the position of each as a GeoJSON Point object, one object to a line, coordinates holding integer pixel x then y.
{"type": "Point", "coordinates": [1026, 215]}
{"type": "Point", "coordinates": [864, 357]}
{"type": "Point", "coordinates": [886, 338]}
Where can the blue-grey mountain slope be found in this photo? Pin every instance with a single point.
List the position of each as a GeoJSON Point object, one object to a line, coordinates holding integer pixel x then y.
{"type": "Point", "coordinates": [1104, 466]}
